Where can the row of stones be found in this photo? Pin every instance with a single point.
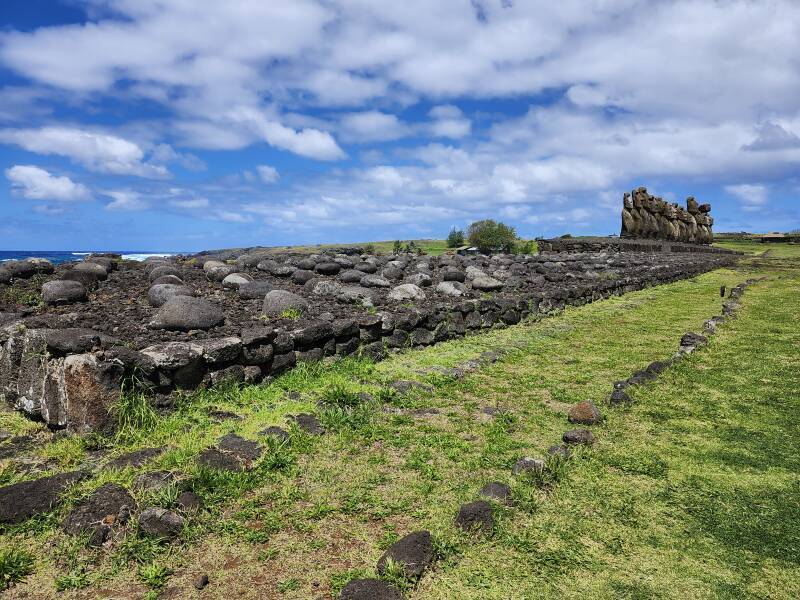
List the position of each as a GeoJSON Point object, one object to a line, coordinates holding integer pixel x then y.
{"type": "Point", "coordinates": [415, 552]}
{"type": "Point", "coordinates": [71, 377]}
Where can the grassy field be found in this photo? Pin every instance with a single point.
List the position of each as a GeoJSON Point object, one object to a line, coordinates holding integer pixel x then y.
{"type": "Point", "coordinates": [690, 492]}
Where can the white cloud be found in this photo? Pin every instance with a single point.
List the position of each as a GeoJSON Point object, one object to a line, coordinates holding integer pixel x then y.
{"type": "Point", "coordinates": [126, 200]}
{"type": "Point", "coordinates": [190, 203]}
{"type": "Point", "coordinates": [230, 216]}
{"type": "Point", "coordinates": [751, 196]}
{"type": "Point", "coordinates": [448, 121]}
{"type": "Point", "coordinates": [35, 183]}
{"type": "Point", "coordinates": [95, 151]}
{"type": "Point", "coordinates": [268, 174]}
{"type": "Point", "coordinates": [372, 126]}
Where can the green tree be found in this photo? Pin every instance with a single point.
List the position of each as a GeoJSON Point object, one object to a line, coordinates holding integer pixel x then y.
{"type": "Point", "coordinates": [455, 239]}
{"type": "Point", "coordinates": [398, 247]}
{"type": "Point", "coordinates": [490, 236]}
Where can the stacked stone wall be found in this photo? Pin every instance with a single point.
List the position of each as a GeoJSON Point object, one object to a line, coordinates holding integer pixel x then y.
{"type": "Point", "coordinates": [65, 364]}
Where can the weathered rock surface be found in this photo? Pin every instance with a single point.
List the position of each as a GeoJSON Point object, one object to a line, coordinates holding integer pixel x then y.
{"type": "Point", "coordinates": [584, 413]}
{"type": "Point", "coordinates": [160, 522]}
{"type": "Point", "coordinates": [476, 517]}
{"type": "Point", "coordinates": [497, 491]}
{"type": "Point", "coordinates": [160, 293]}
{"type": "Point", "coordinates": [21, 501]}
{"type": "Point", "coordinates": [63, 292]}
{"type": "Point", "coordinates": [370, 589]}
{"type": "Point", "coordinates": [184, 313]}
{"type": "Point", "coordinates": [277, 302]}
{"type": "Point", "coordinates": [413, 552]}
{"type": "Point", "coordinates": [107, 506]}
{"type": "Point", "coordinates": [578, 437]}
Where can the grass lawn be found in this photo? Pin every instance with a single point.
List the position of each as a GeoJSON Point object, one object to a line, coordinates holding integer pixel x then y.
{"type": "Point", "coordinates": [690, 492]}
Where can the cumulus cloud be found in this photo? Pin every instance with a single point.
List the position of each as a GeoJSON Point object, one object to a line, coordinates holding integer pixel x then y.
{"type": "Point", "coordinates": [268, 174]}
{"type": "Point", "coordinates": [95, 151]}
{"type": "Point", "coordinates": [126, 200]}
{"type": "Point", "coordinates": [293, 75]}
{"type": "Point", "coordinates": [772, 136]}
{"type": "Point", "coordinates": [372, 126]}
{"type": "Point", "coordinates": [751, 196]}
{"type": "Point", "coordinates": [35, 183]}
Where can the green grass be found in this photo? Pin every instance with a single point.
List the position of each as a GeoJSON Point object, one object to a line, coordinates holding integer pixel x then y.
{"type": "Point", "coordinates": [15, 566]}
{"type": "Point", "coordinates": [690, 492]}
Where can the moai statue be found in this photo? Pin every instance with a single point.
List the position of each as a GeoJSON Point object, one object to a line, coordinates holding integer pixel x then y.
{"type": "Point", "coordinates": [646, 216]}
{"type": "Point", "coordinates": [629, 222]}
{"type": "Point", "coordinates": [686, 221]}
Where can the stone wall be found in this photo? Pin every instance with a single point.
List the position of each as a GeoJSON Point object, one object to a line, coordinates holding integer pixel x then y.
{"type": "Point", "coordinates": [649, 217]}
{"type": "Point", "coordinates": [256, 315]}
{"type": "Point", "coordinates": [615, 244]}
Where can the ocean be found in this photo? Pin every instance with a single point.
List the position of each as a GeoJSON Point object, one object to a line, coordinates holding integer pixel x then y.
{"type": "Point", "coordinates": [61, 256]}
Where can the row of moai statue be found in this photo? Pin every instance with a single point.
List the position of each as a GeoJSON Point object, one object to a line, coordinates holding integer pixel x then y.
{"type": "Point", "coordinates": [646, 216]}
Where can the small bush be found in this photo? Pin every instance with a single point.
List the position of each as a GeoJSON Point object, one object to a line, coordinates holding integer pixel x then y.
{"type": "Point", "coordinates": [291, 313]}
{"type": "Point", "coordinates": [491, 236]}
{"type": "Point", "coordinates": [455, 238]}
{"type": "Point", "coordinates": [15, 565]}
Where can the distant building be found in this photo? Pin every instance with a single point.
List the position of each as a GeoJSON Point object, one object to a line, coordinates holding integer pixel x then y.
{"type": "Point", "coordinates": [775, 238]}
{"type": "Point", "coordinates": [467, 251]}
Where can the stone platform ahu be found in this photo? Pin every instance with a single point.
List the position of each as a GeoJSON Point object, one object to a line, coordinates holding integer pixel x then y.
{"type": "Point", "coordinates": [645, 216]}
{"type": "Point", "coordinates": [247, 314]}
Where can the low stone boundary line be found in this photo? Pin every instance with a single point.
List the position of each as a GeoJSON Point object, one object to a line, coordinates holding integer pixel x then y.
{"type": "Point", "coordinates": [413, 553]}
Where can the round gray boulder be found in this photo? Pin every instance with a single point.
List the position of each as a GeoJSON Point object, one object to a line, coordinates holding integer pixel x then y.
{"type": "Point", "coordinates": [63, 292]}
{"type": "Point", "coordinates": [486, 284]}
{"type": "Point", "coordinates": [184, 313]}
{"type": "Point", "coordinates": [173, 279]}
{"type": "Point", "coordinates": [162, 271]}
{"type": "Point", "coordinates": [158, 294]}
{"type": "Point", "coordinates": [278, 301]}
{"type": "Point", "coordinates": [407, 291]}
{"type": "Point", "coordinates": [236, 280]}
{"type": "Point", "coordinates": [375, 281]}
{"type": "Point", "coordinates": [451, 288]}
{"type": "Point", "coordinates": [98, 271]}
{"type": "Point", "coordinates": [255, 289]}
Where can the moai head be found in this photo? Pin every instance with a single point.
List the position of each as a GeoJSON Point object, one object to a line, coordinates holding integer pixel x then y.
{"type": "Point", "coordinates": [627, 201]}
{"type": "Point", "coordinates": [704, 208]}
{"type": "Point", "coordinates": [639, 195]}
{"type": "Point", "coordinates": [692, 206]}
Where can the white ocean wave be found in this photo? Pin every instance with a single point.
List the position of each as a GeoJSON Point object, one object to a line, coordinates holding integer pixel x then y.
{"type": "Point", "coordinates": [142, 256]}
{"type": "Point", "coordinates": [81, 253]}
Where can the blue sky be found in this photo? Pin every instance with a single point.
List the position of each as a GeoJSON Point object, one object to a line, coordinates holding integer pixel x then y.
{"type": "Point", "coordinates": [189, 124]}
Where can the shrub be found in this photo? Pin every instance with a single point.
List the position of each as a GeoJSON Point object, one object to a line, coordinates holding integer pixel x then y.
{"type": "Point", "coordinates": [398, 247]}
{"type": "Point", "coordinates": [455, 238]}
{"type": "Point", "coordinates": [490, 236]}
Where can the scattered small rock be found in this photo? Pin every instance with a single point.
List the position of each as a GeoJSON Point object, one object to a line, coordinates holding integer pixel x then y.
{"type": "Point", "coordinates": [189, 501]}
{"type": "Point", "coordinates": [370, 589]}
{"type": "Point", "coordinates": [309, 424]}
{"type": "Point", "coordinates": [476, 517]}
{"type": "Point", "coordinates": [21, 501]}
{"type": "Point", "coordinates": [578, 436]}
{"type": "Point", "coordinates": [496, 491]}
{"type": "Point", "coordinates": [154, 481]}
{"type": "Point", "coordinates": [414, 553]}
{"type": "Point", "coordinates": [160, 522]}
{"type": "Point", "coordinates": [619, 397]}
{"type": "Point", "coordinates": [584, 413]}
{"type": "Point", "coordinates": [105, 507]}
{"type": "Point", "coordinates": [200, 582]}
{"type": "Point", "coordinates": [137, 458]}
{"type": "Point", "coordinates": [527, 465]}
{"type": "Point", "coordinates": [276, 432]}
{"type": "Point", "coordinates": [560, 451]}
